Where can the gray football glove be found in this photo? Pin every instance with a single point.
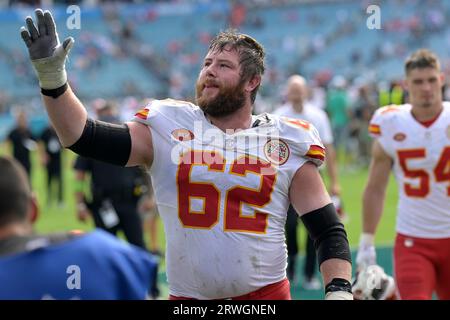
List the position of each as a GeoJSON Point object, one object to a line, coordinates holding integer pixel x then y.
{"type": "Point", "coordinates": [47, 55]}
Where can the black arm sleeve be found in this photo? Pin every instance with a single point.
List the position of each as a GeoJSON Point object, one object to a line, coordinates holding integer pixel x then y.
{"type": "Point", "coordinates": [328, 233]}
{"type": "Point", "coordinates": [105, 142]}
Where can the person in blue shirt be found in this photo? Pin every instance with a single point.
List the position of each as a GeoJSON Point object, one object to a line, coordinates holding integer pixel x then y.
{"type": "Point", "coordinates": [72, 265]}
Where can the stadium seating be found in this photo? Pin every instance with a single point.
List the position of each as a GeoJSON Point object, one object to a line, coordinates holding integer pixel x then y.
{"type": "Point", "coordinates": [299, 38]}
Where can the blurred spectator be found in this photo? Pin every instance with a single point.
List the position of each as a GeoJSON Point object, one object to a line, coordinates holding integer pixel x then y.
{"type": "Point", "coordinates": [21, 141]}
{"type": "Point", "coordinates": [115, 191]}
{"type": "Point", "coordinates": [148, 210]}
{"type": "Point", "coordinates": [337, 109]}
{"type": "Point", "coordinates": [363, 109]}
{"type": "Point", "coordinates": [51, 158]}
{"type": "Point", "coordinates": [392, 94]}
{"type": "Point", "coordinates": [397, 93]}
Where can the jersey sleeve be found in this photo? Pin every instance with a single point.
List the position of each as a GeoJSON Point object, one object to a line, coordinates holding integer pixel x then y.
{"type": "Point", "coordinates": [382, 119]}
{"type": "Point", "coordinates": [147, 113]}
{"type": "Point", "coordinates": [315, 150]}
{"type": "Point", "coordinates": [375, 124]}
{"type": "Point", "coordinates": [159, 112]}
{"type": "Point", "coordinates": [164, 116]}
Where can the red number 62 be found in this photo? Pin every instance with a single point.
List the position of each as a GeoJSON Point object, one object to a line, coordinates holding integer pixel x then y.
{"type": "Point", "coordinates": [234, 198]}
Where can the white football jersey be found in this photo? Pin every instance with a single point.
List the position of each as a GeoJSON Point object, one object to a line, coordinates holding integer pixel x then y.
{"type": "Point", "coordinates": [223, 197]}
{"type": "Point", "coordinates": [311, 114]}
{"type": "Point", "coordinates": [421, 158]}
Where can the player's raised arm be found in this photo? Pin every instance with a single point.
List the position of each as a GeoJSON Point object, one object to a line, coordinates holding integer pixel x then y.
{"type": "Point", "coordinates": [48, 58]}
{"type": "Point", "coordinates": [310, 199]}
{"type": "Point", "coordinates": [127, 144]}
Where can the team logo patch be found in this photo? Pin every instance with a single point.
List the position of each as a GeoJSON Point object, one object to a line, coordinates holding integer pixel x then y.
{"type": "Point", "coordinates": [399, 136]}
{"type": "Point", "coordinates": [182, 134]}
{"type": "Point", "coordinates": [276, 151]}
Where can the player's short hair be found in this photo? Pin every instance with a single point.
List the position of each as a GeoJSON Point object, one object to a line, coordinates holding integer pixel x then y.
{"type": "Point", "coordinates": [14, 191]}
{"type": "Point", "coordinates": [251, 53]}
{"type": "Point", "coordinates": [422, 58]}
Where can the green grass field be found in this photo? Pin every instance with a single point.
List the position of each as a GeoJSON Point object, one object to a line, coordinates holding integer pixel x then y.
{"type": "Point", "coordinates": [54, 217]}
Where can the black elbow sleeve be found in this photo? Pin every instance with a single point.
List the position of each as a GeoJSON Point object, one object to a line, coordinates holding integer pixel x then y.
{"type": "Point", "coordinates": [105, 142]}
{"type": "Point", "coordinates": [328, 233]}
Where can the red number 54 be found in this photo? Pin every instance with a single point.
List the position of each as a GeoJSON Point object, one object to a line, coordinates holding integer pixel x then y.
{"type": "Point", "coordinates": [441, 171]}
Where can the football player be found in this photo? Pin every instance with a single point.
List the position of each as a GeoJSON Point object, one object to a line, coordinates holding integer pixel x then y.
{"type": "Point", "coordinates": [414, 141]}
{"type": "Point", "coordinates": [223, 179]}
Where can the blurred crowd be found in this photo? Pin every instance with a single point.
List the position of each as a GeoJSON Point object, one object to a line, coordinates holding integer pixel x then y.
{"type": "Point", "coordinates": [170, 64]}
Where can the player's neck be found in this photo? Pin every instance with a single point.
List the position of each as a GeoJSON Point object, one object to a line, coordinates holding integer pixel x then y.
{"type": "Point", "coordinates": [239, 120]}
{"type": "Point", "coordinates": [298, 107]}
{"type": "Point", "coordinates": [15, 230]}
{"type": "Point", "coordinates": [423, 114]}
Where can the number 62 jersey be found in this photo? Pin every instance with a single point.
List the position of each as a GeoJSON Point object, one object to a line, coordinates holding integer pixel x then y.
{"type": "Point", "coordinates": [223, 196]}
{"type": "Point", "coordinates": [421, 155]}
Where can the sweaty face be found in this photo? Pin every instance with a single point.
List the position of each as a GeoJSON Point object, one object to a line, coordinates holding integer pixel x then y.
{"type": "Point", "coordinates": [219, 89]}
{"type": "Point", "coordinates": [424, 86]}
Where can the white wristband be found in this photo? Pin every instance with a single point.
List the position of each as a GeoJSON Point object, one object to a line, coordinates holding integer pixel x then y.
{"type": "Point", "coordinates": [50, 78]}
{"type": "Point", "coordinates": [367, 239]}
{"type": "Point", "coordinates": [51, 71]}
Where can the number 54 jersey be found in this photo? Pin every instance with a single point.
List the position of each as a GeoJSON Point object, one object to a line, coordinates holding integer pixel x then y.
{"type": "Point", "coordinates": [421, 156]}
{"type": "Point", "coordinates": [223, 196]}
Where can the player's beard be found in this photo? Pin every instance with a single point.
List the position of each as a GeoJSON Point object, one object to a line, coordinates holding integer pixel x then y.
{"type": "Point", "coordinates": [227, 100]}
{"type": "Point", "coordinates": [428, 102]}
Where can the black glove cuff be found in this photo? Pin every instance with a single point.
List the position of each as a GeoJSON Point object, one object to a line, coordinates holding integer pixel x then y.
{"type": "Point", "coordinates": [55, 93]}
{"type": "Point", "coordinates": [338, 284]}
